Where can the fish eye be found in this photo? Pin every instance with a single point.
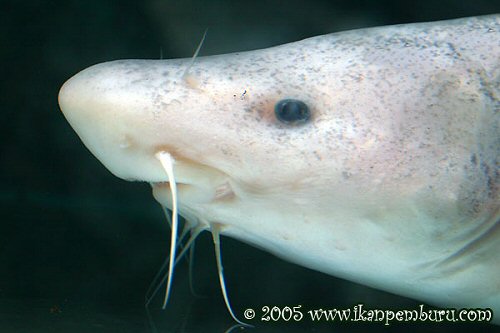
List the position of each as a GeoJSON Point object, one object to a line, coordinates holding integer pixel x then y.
{"type": "Point", "coordinates": [292, 111]}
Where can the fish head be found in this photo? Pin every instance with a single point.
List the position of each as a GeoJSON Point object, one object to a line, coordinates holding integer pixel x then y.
{"type": "Point", "coordinates": [384, 179]}
{"type": "Point", "coordinates": [217, 119]}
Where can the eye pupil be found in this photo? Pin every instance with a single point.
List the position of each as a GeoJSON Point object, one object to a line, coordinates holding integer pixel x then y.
{"type": "Point", "coordinates": [292, 111]}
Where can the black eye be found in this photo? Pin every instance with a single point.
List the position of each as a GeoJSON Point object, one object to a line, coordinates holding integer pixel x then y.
{"type": "Point", "coordinates": [292, 111]}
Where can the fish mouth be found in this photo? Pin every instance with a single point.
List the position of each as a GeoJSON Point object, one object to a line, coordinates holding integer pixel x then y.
{"type": "Point", "coordinates": [195, 183]}
{"type": "Point", "coordinates": [193, 224]}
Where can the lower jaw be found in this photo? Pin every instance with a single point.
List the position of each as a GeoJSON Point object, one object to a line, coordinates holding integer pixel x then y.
{"type": "Point", "coordinates": [192, 194]}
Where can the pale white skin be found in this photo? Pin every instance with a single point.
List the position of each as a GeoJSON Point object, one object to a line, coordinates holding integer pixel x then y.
{"type": "Point", "coordinates": [393, 183]}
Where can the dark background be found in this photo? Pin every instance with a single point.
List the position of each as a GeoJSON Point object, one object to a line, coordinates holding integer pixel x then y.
{"type": "Point", "coordinates": [79, 247]}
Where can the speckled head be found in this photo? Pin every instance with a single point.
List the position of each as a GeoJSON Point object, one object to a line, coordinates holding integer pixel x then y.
{"type": "Point", "coordinates": [382, 169]}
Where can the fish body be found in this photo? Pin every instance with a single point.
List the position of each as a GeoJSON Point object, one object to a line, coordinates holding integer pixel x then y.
{"type": "Point", "coordinates": [393, 181]}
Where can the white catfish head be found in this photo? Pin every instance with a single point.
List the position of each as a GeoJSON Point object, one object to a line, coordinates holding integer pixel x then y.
{"type": "Point", "coordinates": [371, 155]}
{"type": "Point", "coordinates": [234, 156]}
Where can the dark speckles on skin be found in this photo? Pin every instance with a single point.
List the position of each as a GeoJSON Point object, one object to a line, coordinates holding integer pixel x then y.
{"type": "Point", "coordinates": [316, 154]}
{"type": "Point", "coordinates": [454, 53]}
{"type": "Point", "coordinates": [490, 178]}
{"type": "Point", "coordinates": [346, 175]}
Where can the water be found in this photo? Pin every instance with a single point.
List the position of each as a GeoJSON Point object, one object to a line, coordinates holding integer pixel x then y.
{"type": "Point", "coordinates": [78, 247]}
